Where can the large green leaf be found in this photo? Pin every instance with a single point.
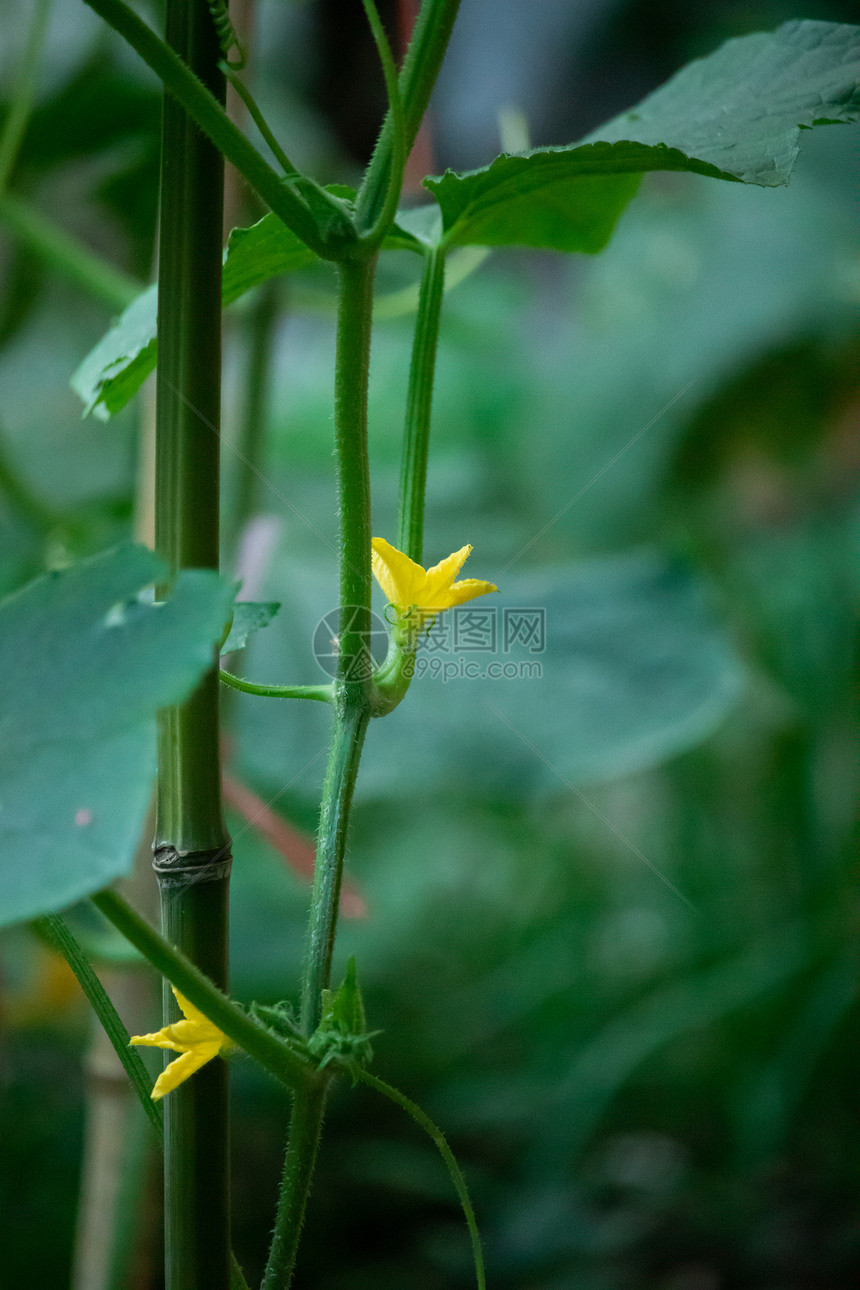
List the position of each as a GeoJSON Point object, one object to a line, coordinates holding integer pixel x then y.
{"type": "Point", "coordinates": [741, 110]}
{"type": "Point", "coordinates": [88, 661]}
{"type": "Point", "coordinates": [736, 115]}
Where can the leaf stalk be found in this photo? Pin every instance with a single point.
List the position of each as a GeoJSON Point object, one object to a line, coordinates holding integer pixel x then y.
{"type": "Point", "coordinates": [331, 240]}
{"type": "Point", "coordinates": [419, 403]}
{"type": "Point", "coordinates": [273, 1054]}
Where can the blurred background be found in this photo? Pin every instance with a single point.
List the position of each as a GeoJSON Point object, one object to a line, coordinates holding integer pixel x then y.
{"type": "Point", "coordinates": [604, 916]}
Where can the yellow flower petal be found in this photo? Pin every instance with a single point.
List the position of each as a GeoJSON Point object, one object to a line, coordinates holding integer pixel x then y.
{"type": "Point", "coordinates": [182, 1069]}
{"type": "Point", "coordinates": [430, 591]}
{"type": "Point", "coordinates": [441, 576]}
{"type": "Point", "coordinates": [468, 589]}
{"type": "Point", "coordinates": [399, 577]}
{"type": "Point", "coordinates": [192, 1014]}
{"type": "Point", "coordinates": [195, 1037]}
{"type": "Point", "coordinates": [161, 1039]}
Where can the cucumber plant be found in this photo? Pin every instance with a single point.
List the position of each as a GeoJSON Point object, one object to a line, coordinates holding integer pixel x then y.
{"type": "Point", "coordinates": [111, 653]}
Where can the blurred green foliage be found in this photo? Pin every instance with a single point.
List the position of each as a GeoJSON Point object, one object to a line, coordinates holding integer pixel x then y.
{"type": "Point", "coordinates": [644, 1093]}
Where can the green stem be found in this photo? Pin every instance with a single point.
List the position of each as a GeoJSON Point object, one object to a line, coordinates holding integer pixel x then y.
{"type": "Point", "coordinates": [349, 732]}
{"type": "Point", "coordinates": [289, 204]}
{"type": "Point", "coordinates": [305, 1130]}
{"type": "Point", "coordinates": [354, 669]}
{"type": "Point", "coordinates": [353, 693]}
{"type": "Point", "coordinates": [398, 156]}
{"type": "Point", "coordinates": [60, 251]}
{"type": "Point", "coordinates": [56, 932]}
{"type": "Point", "coordinates": [309, 1104]}
{"type": "Point", "coordinates": [417, 78]}
{"type": "Point", "coordinates": [192, 846]}
{"type": "Point", "coordinates": [393, 678]}
{"type": "Point", "coordinates": [259, 120]}
{"type": "Point", "coordinates": [322, 693]}
{"type": "Point", "coordinates": [257, 1041]}
{"type": "Point", "coordinates": [23, 92]}
{"type": "Point", "coordinates": [413, 473]}
{"type": "Point", "coordinates": [422, 1119]}
{"type": "Point", "coordinates": [352, 366]}
{"type": "Point", "coordinates": [188, 408]}
{"type": "Point", "coordinates": [59, 936]}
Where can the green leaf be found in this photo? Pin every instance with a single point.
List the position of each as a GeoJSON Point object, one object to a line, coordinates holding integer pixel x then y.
{"type": "Point", "coordinates": [418, 227]}
{"type": "Point", "coordinates": [87, 663]}
{"type": "Point", "coordinates": [735, 115]}
{"type": "Point", "coordinates": [269, 249]}
{"type": "Point", "coordinates": [266, 250]}
{"type": "Point", "coordinates": [342, 1037]}
{"type": "Point", "coordinates": [117, 366]}
{"type": "Point", "coordinates": [740, 111]}
{"type": "Point", "coordinates": [248, 617]}
{"type": "Point", "coordinates": [559, 199]}
{"type": "Point", "coordinates": [343, 1008]}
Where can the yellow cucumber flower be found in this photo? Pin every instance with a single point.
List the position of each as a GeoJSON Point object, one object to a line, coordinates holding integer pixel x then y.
{"type": "Point", "coordinates": [427, 591]}
{"type": "Point", "coordinates": [195, 1037]}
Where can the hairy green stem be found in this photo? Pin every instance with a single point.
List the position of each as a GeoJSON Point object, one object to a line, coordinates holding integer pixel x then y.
{"type": "Point", "coordinates": [352, 368]}
{"type": "Point", "coordinates": [350, 729]}
{"type": "Point", "coordinates": [433, 1131]}
{"type": "Point", "coordinates": [316, 217]}
{"type": "Point", "coordinates": [353, 692]}
{"type": "Point", "coordinates": [354, 665]}
{"type": "Point", "coordinates": [305, 1131]}
{"type": "Point", "coordinates": [416, 436]}
{"type": "Point", "coordinates": [321, 693]}
{"type": "Point", "coordinates": [417, 77]}
{"type": "Point", "coordinates": [258, 1042]}
{"type": "Point", "coordinates": [398, 156]}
